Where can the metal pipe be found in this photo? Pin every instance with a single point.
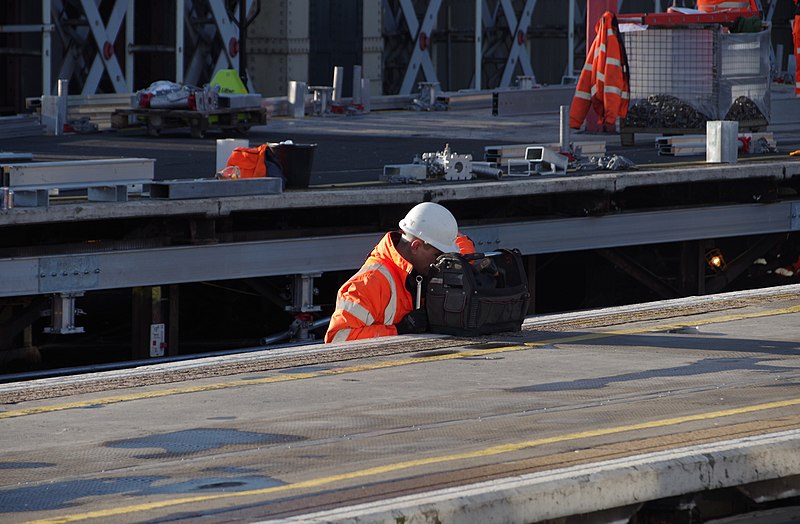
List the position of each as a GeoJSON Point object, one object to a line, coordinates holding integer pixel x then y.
{"type": "Point", "coordinates": [271, 339]}
{"type": "Point", "coordinates": [478, 42]}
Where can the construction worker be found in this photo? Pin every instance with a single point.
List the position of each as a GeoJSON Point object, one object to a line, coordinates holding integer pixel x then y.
{"type": "Point", "coordinates": [603, 83]}
{"type": "Point", "coordinates": [385, 296]}
{"type": "Point", "coordinates": [714, 6]}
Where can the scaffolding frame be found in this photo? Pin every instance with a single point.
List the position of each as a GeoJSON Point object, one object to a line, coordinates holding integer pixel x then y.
{"type": "Point", "coordinates": [90, 46]}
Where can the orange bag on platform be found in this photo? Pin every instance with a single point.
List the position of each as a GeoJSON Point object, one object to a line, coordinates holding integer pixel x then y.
{"type": "Point", "coordinates": [250, 160]}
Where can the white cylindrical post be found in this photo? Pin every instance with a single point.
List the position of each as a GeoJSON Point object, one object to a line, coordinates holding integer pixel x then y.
{"type": "Point", "coordinates": [297, 99]}
{"type": "Point", "coordinates": [61, 117]}
{"type": "Point", "coordinates": [338, 78]}
{"type": "Point", "coordinates": [365, 92]}
{"type": "Point", "coordinates": [722, 141]}
{"type": "Point", "coordinates": [225, 147]}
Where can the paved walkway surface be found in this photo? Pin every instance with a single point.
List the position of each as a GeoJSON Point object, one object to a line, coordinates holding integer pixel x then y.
{"type": "Point", "coordinates": [641, 402]}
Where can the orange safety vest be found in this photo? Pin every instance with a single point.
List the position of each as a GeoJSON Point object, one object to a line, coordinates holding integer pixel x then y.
{"type": "Point", "coordinates": [713, 6]}
{"type": "Point", "coordinates": [376, 298]}
{"type": "Point", "coordinates": [796, 39]}
{"type": "Point", "coordinates": [603, 83]}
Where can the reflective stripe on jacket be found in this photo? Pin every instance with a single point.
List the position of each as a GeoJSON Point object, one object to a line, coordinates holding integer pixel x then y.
{"type": "Point", "coordinates": [712, 6]}
{"type": "Point", "coordinates": [603, 83]}
{"type": "Point", "coordinates": [374, 299]}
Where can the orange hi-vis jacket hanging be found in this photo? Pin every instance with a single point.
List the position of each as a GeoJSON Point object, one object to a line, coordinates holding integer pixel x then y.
{"type": "Point", "coordinates": [713, 6]}
{"type": "Point", "coordinates": [796, 39]}
{"type": "Point", "coordinates": [603, 83]}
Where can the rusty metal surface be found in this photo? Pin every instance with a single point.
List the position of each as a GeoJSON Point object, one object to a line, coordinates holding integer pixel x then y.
{"type": "Point", "coordinates": [276, 441]}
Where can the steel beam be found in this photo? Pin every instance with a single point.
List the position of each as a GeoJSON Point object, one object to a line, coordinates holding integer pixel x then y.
{"type": "Point", "coordinates": [78, 173]}
{"type": "Point", "coordinates": [421, 35]}
{"type": "Point", "coordinates": [172, 265]}
{"type": "Point", "coordinates": [104, 37]}
{"type": "Point", "coordinates": [518, 54]}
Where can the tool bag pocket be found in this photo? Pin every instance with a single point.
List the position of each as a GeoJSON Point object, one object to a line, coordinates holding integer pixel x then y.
{"type": "Point", "coordinates": [477, 294]}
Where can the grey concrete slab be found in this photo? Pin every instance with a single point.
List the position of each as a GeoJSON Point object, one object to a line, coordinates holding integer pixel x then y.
{"type": "Point", "coordinates": [355, 148]}
{"type": "Point", "coordinates": [568, 391]}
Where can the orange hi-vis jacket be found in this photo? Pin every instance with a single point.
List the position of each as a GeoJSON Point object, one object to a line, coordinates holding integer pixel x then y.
{"type": "Point", "coordinates": [374, 299]}
{"type": "Point", "coordinates": [796, 39]}
{"type": "Point", "coordinates": [713, 6]}
{"type": "Point", "coordinates": [603, 83]}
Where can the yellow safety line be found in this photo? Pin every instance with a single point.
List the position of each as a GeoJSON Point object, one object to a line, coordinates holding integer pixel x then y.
{"type": "Point", "coordinates": [391, 468]}
{"type": "Point", "coordinates": [379, 365]}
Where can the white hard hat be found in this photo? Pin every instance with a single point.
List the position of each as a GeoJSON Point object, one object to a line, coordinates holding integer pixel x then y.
{"type": "Point", "coordinates": [433, 224]}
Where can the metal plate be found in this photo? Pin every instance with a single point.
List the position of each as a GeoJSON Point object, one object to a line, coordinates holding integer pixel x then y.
{"type": "Point", "coordinates": [68, 274]}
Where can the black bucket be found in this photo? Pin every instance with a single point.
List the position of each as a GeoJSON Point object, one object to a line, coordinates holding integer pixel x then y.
{"type": "Point", "coordinates": [296, 161]}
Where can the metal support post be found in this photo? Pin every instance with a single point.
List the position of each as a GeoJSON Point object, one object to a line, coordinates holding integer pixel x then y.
{"type": "Point", "coordinates": [180, 9]}
{"type": "Point", "coordinates": [129, 43]}
{"type": "Point", "coordinates": [479, 42]}
{"type": "Point", "coordinates": [531, 273]}
{"type": "Point", "coordinates": [356, 84]}
{"type": "Point", "coordinates": [571, 39]}
{"type": "Point", "coordinates": [303, 293]}
{"type": "Point", "coordinates": [47, 41]}
{"type": "Point", "coordinates": [338, 82]}
{"type": "Point", "coordinates": [564, 130]}
{"type": "Point", "coordinates": [62, 314]}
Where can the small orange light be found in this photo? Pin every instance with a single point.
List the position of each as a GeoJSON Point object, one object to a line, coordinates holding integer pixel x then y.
{"type": "Point", "coordinates": [715, 260]}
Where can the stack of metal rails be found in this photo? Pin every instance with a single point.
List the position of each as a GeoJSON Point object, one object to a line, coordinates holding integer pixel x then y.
{"type": "Point", "coordinates": [20, 126]}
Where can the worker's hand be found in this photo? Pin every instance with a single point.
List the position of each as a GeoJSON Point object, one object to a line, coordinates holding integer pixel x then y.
{"type": "Point", "coordinates": [414, 322]}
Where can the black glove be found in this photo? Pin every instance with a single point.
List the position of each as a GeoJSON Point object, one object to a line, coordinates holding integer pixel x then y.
{"type": "Point", "coordinates": [414, 322]}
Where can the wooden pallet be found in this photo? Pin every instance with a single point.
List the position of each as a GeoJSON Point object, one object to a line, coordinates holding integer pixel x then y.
{"type": "Point", "coordinates": [156, 120]}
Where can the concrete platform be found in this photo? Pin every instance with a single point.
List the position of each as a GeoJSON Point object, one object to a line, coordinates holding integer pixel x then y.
{"type": "Point", "coordinates": [583, 412]}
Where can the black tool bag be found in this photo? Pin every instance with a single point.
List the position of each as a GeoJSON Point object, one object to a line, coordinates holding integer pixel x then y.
{"type": "Point", "coordinates": [477, 294]}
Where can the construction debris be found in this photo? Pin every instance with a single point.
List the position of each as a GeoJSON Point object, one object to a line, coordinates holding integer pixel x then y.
{"type": "Point", "coordinates": [610, 163]}
{"type": "Point", "coordinates": [745, 110]}
{"type": "Point", "coordinates": [664, 111]}
{"type": "Point", "coordinates": [446, 164]}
